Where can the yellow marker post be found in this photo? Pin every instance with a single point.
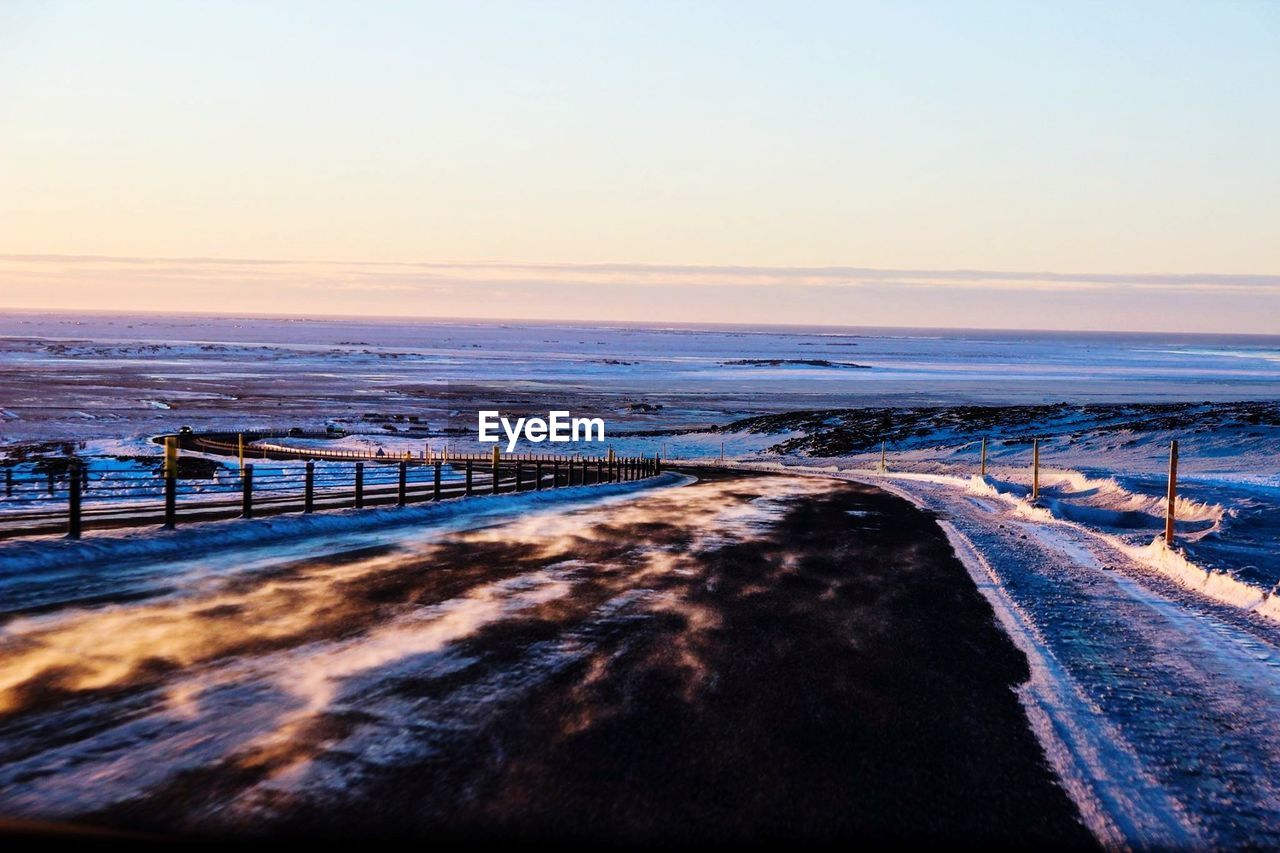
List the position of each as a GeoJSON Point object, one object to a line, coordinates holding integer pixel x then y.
{"type": "Point", "coordinates": [983, 471]}
{"type": "Point", "coordinates": [170, 482]}
{"type": "Point", "coordinates": [240, 450]}
{"type": "Point", "coordinates": [171, 456]}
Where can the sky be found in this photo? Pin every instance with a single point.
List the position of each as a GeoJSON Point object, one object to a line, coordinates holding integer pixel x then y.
{"type": "Point", "coordinates": [1081, 165]}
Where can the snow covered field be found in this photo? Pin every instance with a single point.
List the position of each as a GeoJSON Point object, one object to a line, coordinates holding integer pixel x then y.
{"type": "Point", "coordinates": [1154, 687]}
{"type": "Point", "coordinates": [115, 376]}
{"type": "Point", "coordinates": [1105, 407]}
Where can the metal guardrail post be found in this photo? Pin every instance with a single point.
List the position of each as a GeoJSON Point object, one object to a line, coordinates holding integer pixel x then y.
{"type": "Point", "coordinates": [403, 485]}
{"type": "Point", "coordinates": [73, 501]}
{"type": "Point", "coordinates": [246, 496]}
{"type": "Point", "coordinates": [435, 482]}
{"type": "Point", "coordinates": [359, 485]}
{"type": "Point", "coordinates": [309, 488]}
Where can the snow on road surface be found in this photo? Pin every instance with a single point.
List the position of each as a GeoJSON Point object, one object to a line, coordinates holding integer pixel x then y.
{"type": "Point", "coordinates": [1158, 706]}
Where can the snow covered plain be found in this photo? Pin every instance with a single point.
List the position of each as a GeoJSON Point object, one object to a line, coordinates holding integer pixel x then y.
{"type": "Point", "coordinates": [1155, 680]}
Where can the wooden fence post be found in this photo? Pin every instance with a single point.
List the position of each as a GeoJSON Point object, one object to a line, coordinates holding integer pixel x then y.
{"type": "Point", "coordinates": [401, 495]}
{"type": "Point", "coordinates": [246, 498]}
{"type": "Point", "coordinates": [8, 481]}
{"type": "Point", "coordinates": [73, 501]}
{"type": "Point", "coordinates": [309, 487]}
{"type": "Point", "coordinates": [519, 474]}
{"type": "Point", "coordinates": [982, 471]}
{"type": "Point", "coordinates": [495, 469]}
{"type": "Point", "coordinates": [359, 485]}
{"type": "Point", "coordinates": [599, 471]}
{"type": "Point", "coordinates": [469, 489]}
{"type": "Point", "coordinates": [1171, 509]}
{"type": "Point", "coordinates": [537, 475]}
{"type": "Point", "coordinates": [435, 481]}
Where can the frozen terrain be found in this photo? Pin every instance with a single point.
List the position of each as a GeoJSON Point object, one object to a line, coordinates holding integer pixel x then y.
{"type": "Point", "coordinates": [77, 377]}
{"type": "Point", "coordinates": [1154, 685]}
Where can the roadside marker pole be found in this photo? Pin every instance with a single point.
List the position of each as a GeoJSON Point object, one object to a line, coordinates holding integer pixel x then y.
{"type": "Point", "coordinates": [1173, 493]}
{"type": "Point", "coordinates": [170, 482]}
{"type": "Point", "coordinates": [240, 450]}
{"type": "Point", "coordinates": [73, 501]}
{"type": "Point", "coordinates": [1035, 469]}
{"type": "Point", "coordinates": [983, 471]}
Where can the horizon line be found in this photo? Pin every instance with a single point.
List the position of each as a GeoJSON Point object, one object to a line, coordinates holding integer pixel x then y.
{"type": "Point", "coordinates": [647, 324]}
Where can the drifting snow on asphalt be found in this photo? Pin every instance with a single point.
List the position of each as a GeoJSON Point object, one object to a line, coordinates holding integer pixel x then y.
{"type": "Point", "coordinates": [1159, 706]}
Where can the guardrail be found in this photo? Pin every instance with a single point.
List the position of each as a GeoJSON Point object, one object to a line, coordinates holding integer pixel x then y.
{"type": "Point", "coordinates": [54, 500]}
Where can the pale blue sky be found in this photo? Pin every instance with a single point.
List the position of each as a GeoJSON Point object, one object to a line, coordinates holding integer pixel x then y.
{"type": "Point", "coordinates": [1101, 138]}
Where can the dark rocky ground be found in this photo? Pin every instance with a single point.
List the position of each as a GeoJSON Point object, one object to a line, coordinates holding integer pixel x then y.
{"type": "Point", "coordinates": [835, 432]}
